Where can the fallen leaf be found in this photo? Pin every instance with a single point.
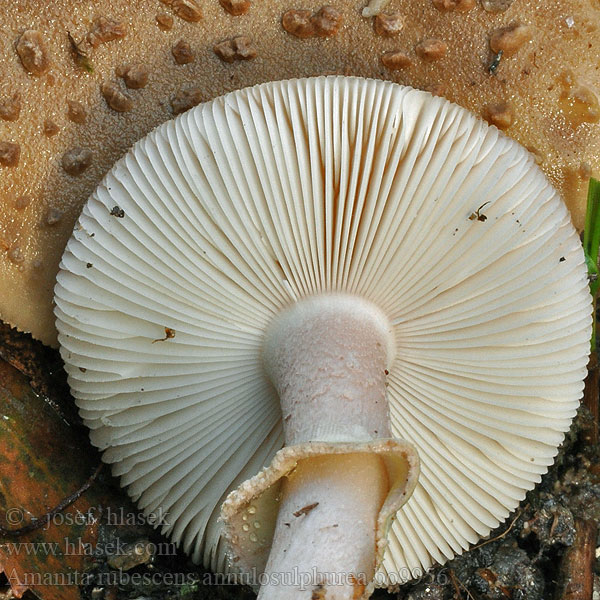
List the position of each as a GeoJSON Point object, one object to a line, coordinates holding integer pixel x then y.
{"type": "Point", "coordinates": [42, 461]}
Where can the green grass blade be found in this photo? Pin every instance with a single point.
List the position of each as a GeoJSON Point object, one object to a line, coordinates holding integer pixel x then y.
{"type": "Point", "coordinates": [591, 245]}
{"type": "Point", "coordinates": [591, 232]}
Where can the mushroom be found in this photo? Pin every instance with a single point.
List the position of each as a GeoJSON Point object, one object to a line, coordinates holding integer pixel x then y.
{"type": "Point", "coordinates": [272, 265]}
{"type": "Point", "coordinates": [550, 111]}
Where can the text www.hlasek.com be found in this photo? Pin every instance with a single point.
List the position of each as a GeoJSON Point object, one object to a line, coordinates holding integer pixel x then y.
{"type": "Point", "coordinates": [78, 547]}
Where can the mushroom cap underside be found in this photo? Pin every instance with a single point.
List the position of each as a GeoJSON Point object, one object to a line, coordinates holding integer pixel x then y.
{"type": "Point", "coordinates": [221, 218]}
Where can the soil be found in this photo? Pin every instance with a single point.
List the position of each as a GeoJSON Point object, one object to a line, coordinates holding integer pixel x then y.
{"type": "Point", "coordinates": [546, 550]}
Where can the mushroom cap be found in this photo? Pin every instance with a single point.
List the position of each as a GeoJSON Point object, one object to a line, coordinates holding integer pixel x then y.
{"type": "Point", "coordinates": [40, 201]}
{"type": "Point", "coordinates": [221, 218]}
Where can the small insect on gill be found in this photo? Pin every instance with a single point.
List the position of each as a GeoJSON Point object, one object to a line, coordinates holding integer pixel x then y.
{"type": "Point", "coordinates": [478, 215]}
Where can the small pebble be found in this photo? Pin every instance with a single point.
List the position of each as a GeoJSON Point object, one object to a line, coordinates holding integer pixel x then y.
{"type": "Point", "coordinates": [297, 23]}
{"type": "Point", "coordinates": [431, 49]}
{"type": "Point", "coordinates": [10, 107]}
{"type": "Point", "coordinates": [501, 115]}
{"type": "Point", "coordinates": [509, 39]}
{"type": "Point", "coordinates": [135, 76]}
{"type": "Point", "coordinates": [452, 5]}
{"type": "Point", "coordinates": [186, 99]}
{"type": "Point", "coordinates": [237, 48]}
{"type": "Point", "coordinates": [396, 60]}
{"type": "Point", "coordinates": [182, 53]}
{"type": "Point", "coordinates": [105, 30]}
{"type": "Point", "coordinates": [76, 111]}
{"type": "Point", "coordinates": [76, 161]}
{"type": "Point", "coordinates": [32, 52]}
{"type": "Point", "coordinates": [388, 25]}
{"type": "Point", "coordinates": [326, 22]}
{"type": "Point", "coordinates": [50, 128]}
{"type": "Point", "coordinates": [303, 24]}
{"type": "Point", "coordinates": [188, 10]}
{"type": "Point", "coordinates": [236, 7]}
{"type": "Point", "coordinates": [496, 6]}
{"type": "Point", "coordinates": [115, 97]}
{"type": "Point", "coordinates": [53, 216]}
{"type": "Point", "coordinates": [374, 8]}
{"type": "Point", "coordinates": [9, 154]}
{"type": "Point", "coordinates": [164, 21]}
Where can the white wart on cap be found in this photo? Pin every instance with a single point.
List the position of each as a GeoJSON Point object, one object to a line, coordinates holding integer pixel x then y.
{"type": "Point", "coordinates": [216, 227]}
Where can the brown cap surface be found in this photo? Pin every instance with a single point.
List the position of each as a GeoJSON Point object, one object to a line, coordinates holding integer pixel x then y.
{"type": "Point", "coordinates": [549, 79]}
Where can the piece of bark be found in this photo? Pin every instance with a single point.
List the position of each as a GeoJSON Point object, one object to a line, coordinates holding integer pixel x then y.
{"type": "Point", "coordinates": [576, 570]}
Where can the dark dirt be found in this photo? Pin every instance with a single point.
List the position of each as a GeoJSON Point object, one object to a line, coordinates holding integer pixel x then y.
{"type": "Point", "coordinates": [546, 550]}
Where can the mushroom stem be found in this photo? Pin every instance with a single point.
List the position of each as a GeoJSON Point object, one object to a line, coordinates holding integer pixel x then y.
{"type": "Point", "coordinates": [327, 357]}
{"type": "Point", "coordinates": [324, 542]}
